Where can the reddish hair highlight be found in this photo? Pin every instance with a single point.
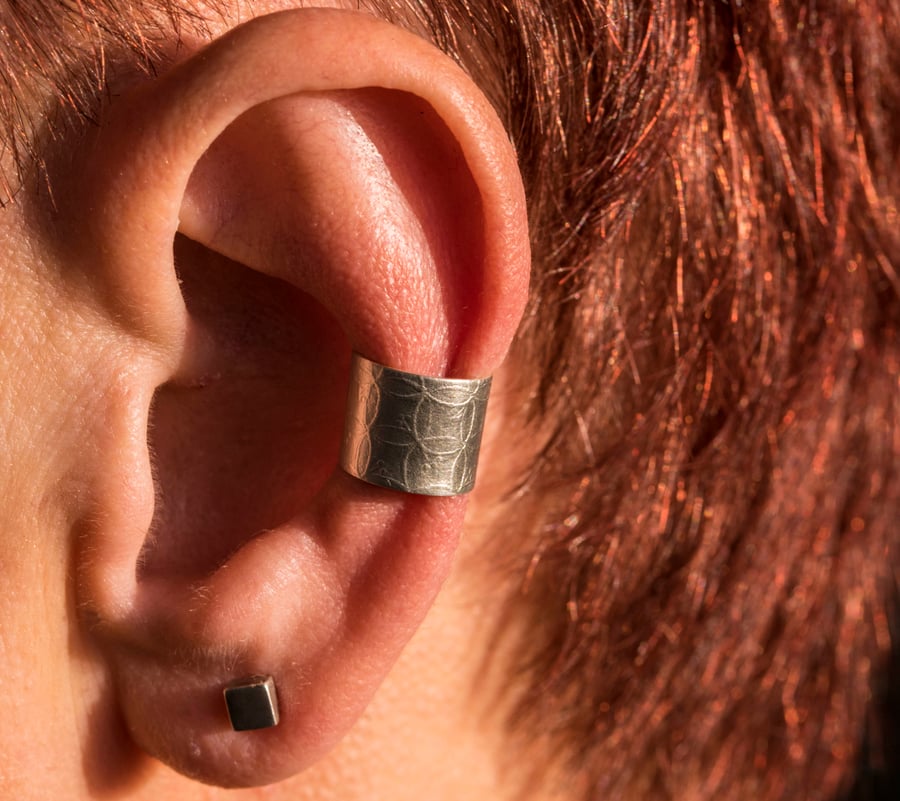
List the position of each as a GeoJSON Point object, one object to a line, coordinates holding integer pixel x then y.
{"type": "Point", "coordinates": [705, 541]}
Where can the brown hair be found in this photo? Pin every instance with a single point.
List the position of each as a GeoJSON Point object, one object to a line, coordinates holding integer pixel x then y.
{"type": "Point", "coordinates": [717, 245]}
{"type": "Point", "coordinates": [706, 538]}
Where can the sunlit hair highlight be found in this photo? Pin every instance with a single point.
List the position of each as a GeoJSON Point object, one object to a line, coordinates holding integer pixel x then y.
{"type": "Point", "coordinates": [56, 61]}
{"type": "Point", "coordinates": [713, 579]}
{"type": "Point", "coordinates": [712, 364]}
{"type": "Point", "coordinates": [705, 546]}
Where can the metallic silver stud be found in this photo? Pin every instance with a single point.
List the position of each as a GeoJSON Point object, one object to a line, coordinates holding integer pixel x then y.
{"type": "Point", "coordinates": [412, 432]}
{"type": "Point", "coordinates": [252, 704]}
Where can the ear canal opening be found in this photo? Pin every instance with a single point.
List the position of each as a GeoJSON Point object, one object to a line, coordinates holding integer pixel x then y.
{"type": "Point", "coordinates": [246, 435]}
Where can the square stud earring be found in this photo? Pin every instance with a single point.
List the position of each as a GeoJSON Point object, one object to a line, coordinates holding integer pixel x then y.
{"type": "Point", "coordinates": [252, 704]}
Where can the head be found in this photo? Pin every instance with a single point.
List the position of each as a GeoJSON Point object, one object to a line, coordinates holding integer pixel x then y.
{"type": "Point", "coordinates": [669, 233]}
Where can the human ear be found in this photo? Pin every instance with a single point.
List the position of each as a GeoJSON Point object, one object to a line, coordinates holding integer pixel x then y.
{"type": "Point", "coordinates": [332, 184]}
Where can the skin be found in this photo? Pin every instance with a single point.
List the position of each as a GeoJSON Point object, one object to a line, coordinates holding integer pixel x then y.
{"type": "Point", "coordinates": [116, 616]}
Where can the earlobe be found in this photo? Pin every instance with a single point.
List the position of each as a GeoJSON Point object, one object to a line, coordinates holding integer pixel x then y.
{"type": "Point", "coordinates": [363, 204]}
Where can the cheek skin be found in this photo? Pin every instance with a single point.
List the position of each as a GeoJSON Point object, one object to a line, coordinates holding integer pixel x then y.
{"type": "Point", "coordinates": [51, 381]}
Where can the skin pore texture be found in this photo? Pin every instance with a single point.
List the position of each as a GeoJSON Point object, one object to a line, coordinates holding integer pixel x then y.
{"type": "Point", "coordinates": [84, 533]}
{"type": "Point", "coordinates": [677, 578]}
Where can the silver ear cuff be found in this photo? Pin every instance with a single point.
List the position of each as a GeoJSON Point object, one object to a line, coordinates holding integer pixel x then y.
{"type": "Point", "coordinates": [411, 432]}
{"type": "Point", "coordinates": [252, 704]}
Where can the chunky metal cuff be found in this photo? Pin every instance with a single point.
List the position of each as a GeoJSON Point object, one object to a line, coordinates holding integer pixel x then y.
{"type": "Point", "coordinates": [411, 432]}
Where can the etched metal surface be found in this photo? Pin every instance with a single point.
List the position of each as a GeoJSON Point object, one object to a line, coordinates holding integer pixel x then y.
{"type": "Point", "coordinates": [412, 432]}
